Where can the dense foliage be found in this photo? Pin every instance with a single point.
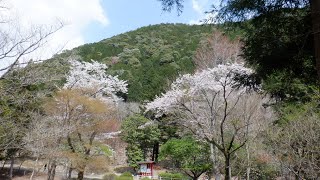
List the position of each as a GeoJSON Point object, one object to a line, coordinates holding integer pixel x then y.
{"type": "Point", "coordinates": [21, 94]}
{"type": "Point", "coordinates": [283, 56]}
{"type": "Point", "coordinates": [278, 44]}
{"type": "Point", "coordinates": [187, 155]}
{"type": "Point", "coordinates": [141, 135]}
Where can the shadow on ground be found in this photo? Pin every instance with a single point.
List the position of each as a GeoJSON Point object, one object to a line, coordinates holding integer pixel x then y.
{"type": "Point", "coordinates": [17, 172]}
{"type": "Point", "coordinates": [24, 174]}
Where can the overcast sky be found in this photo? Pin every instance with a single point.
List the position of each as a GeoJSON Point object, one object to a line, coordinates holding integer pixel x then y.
{"type": "Point", "coordinates": [89, 21]}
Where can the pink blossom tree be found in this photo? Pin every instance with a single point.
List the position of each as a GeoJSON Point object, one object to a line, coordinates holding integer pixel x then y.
{"type": "Point", "coordinates": [84, 108]}
{"type": "Point", "coordinates": [209, 105]}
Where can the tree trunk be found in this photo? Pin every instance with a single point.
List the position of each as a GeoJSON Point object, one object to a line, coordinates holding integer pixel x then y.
{"type": "Point", "coordinates": [52, 170]}
{"type": "Point", "coordinates": [227, 168]}
{"type": "Point", "coordinates": [69, 173]}
{"type": "Point", "coordinates": [4, 163]}
{"type": "Point", "coordinates": [248, 173]}
{"type": "Point", "coordinates": [215, 171]}
{"type": "Point", "coordinates": [248, 162]}
{"type": "Point", "coordinates": [80, 175]}
{"type": "Point", "coordinates": [11, 167]}
{"type": "Point", "coordinates": [33, 169]}
{"type": "Point", "coordinates": [20, 165]}
{"type": "Point", "coordinates": [315, 14]}
{"type": "Point", "coordinates": [155, 152]}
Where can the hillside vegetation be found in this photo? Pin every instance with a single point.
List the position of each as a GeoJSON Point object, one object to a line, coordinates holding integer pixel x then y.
{"type": "Point", "coordinates": [149, 58]}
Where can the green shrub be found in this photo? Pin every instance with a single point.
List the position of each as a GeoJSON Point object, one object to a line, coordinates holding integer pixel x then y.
{"type": "Point", "coordinates": [125, 176]}
{"type": "Point", "coordinates": [145, 178]}
{"type": "Point", "coordinates": [172, 175]}
{"type": "Point", "coordinates": [109, 177]}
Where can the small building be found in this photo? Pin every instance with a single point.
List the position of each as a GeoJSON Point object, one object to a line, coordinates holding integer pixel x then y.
{"type": "Point", "coordinates": [146, 168]}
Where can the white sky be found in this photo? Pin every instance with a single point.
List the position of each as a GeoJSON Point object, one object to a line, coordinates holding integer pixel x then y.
{"type": "Point", "coordinates": [76, 15]}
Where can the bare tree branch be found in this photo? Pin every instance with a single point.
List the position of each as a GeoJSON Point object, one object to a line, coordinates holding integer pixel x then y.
{"type": "Point", "coordinates": [13, 48]}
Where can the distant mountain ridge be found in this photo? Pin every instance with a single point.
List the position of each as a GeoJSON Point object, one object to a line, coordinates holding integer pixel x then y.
{"type": "Point", "coordinates": [149, 58]}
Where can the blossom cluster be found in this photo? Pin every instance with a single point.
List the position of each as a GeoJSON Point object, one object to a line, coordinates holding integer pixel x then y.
{"type": "Point", "coordinates": [85, 75]}
{"type": "Point", "coordinates": [191, 85]}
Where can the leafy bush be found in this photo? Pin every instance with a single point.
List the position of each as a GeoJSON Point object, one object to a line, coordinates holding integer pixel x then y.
{"type": "Point", "coordinates": [187, 155]}
{"type": "Point", "coordinates": [167, 175]}
{"type": "Point", "coordinates": [125, 176]}
{"type": "Point", "coordinates": [145, 178]}
{"type": "Point", "coordinates": [109, 177]}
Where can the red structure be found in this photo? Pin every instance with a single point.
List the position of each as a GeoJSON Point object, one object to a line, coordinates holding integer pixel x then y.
{"type": "Point", "coordinates": [146, 168]}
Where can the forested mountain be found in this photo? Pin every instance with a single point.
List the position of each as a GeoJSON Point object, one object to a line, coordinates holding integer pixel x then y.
{"type": "Point", "coordinates": [149, 58]}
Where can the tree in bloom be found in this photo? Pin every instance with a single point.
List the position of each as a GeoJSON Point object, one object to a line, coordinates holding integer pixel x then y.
{"type": "Point", "coordinates": [86, 75]}
{"type": "Point", "coordinates": [85, 107]}
{"type": "Point", "coordinates": [84, 119]}
{"type": "Point", "coordinates": [215, 108]}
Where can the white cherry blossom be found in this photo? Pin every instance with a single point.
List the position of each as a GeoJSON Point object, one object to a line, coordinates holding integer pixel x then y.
{"type": "Point", "coordinates": [92, 75]}
{"type": "Point", "coordinates": [190, 86]}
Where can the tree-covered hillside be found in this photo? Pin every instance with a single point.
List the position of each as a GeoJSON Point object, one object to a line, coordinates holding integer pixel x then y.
{"type": "Point", "coordinates": [149, 58]}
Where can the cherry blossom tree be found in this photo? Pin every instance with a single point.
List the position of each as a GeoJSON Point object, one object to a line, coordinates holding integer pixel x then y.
{"type": "Point", "coordinates": [85, 118]}
{"type": "Point", "coordinates": [84, 107]}
{"type": "Point", "coordinates": [211, 105]}
{"type": "Point", "coordinates": [90, 96]}
{"type": "Point", "coordinates": [86, 75]}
